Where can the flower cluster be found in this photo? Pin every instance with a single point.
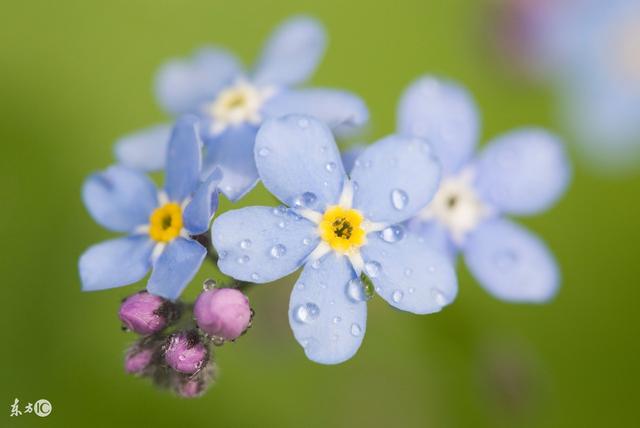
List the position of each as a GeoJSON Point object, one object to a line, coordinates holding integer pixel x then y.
{"type": "Point", "coordinates": [385, 220]}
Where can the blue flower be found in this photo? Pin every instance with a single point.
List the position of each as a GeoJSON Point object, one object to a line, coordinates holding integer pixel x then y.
{"type": "Point", "coordinates": [233, 103]}
{"type": "Point", "coordinates": [160, 224]}
{"type": "Point", "coordinates": [522, 172]}
{"type": "Point", "coordinates": [338, 227]}
{"type": "Point", "coordinates": [590, 50]}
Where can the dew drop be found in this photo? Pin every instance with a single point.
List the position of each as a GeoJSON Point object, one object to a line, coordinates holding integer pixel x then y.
{"type": "Point", "coordinates": [505, 259]}
{"type": "Point", "coordinates": [392, 233]}
{"type": "Point", "coordinates": [307, 313]}
{"type": "Point", "coordinates": [243, 259]}
{"type": "Point", "coordinates": [245, 244]}
{"type": "Point", "coordinates": [411, 290]}
{"type": "Point", "coordinates": [315, 264]}
{"type": "Point", "coordinates": [356, 291]}
{"type": "Point", "coordinates": [336, 320]}
{"type": "Point", "coordinates": [372, 269]}
{"type": "Point", "coordinates": [306, 241]}
{"type": "Point", "coordinates": [222, 255]}
{"type": "Point", "coordinates": [440, 298]}
{"type": "Point", "coordinates": [330, 166]}
{"type": "Point", "coordinates": [282, 224]}
{"type": "Point", "coordinates": [182, 357]}
{"type": "Point", "coordinates": [305, 200]}
{"type": "Point", "coordinates": [255, 276]}
{"type": "Point", "coordinates": [397, 296]}
{"type": "Point", "coordinates": [356, 330]}
{"type": "Point", "coordinates": [408, 272]}
{"type": "Point", "coordinates": [278, 251]}
{"type": "Point", "coordinates": [399, 199]}
{"type": "Point", "coordinates": [264, 152]}
{"type": "Point", "coordinates": [301, 286]}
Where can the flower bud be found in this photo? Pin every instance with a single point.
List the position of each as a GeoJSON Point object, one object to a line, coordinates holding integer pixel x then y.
{"type": "Point", "coordinates": [185, 353]}
{"type": "Point", "coordinates": [145, 313]}
{"type": "Point", "coordinates": [191, 386]}
{"type": "Point", "coordinates": [138, 360]}
{"type": "Point", "coordinates": [223, 312]}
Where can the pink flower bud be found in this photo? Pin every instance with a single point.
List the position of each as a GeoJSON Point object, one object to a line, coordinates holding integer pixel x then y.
{"type": "Point", "coordinates": [138, 360]}
{"type": "Point", "coordinates": [222, 312]}
{"type": "Point", "coordinates": [145, 313]}
{"type": "Point", "coordinates": [185, 353]}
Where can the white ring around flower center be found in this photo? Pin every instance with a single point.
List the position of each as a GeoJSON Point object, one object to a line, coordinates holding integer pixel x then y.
{"type": "Point", "coordinates": [457, 206]}
{"type": "Point", "coordinates": [237, 104]}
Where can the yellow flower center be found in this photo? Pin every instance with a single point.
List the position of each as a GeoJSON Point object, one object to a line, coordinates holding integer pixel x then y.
{"type": "Point", "coordinates": [342, 228]}
{"type": "Point", "coordinates": [165, 222]}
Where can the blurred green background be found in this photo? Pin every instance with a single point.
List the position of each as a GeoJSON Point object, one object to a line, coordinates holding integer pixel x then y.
{"type": "Point", "coordinates": [75, 75]}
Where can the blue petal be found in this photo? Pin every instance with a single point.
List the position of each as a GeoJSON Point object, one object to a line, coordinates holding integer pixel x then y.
{"type": "Point", "coordinates": [145, 149]}
{"type": "Point", "coordinates": [523, 172]}
{"type": "Point", "coordinates": [408, 274]}
{"type": "Point", "coordinates": [183, 159]}
{"type": "Point", "coordinates": [445, 115]}
{"type": "Point", "coordinates": [350, 155]}
{"type": "Point", "coordinates": [199, 212]}
{"type": "Point", "coordinates": [511, 263]}
{"type": "Point", "coordinates": [435, 235]}
{"type": "Point", "coordinates": [232, 152]}
{"type": "Point", "coordinates": [394, 178]}
{"type": "Point", "coordinates": [115, 263]}
{"type": "Point", "coordinates": [176, 267]}
{"type": "Point", "coordinates": [120, 198]}
{"type": "Point", "coordinates": [292, 53]}
{"type": "Point", "coordinates": [182, 85]}
{"type": "Point", "coordinates": [342, 111]}
{"type": "Point", "coordinates": [262, 244]}
{"type": "Point", "coordinates": [326, 318]}
{"type": "Point", "coordinates": [297, 155]}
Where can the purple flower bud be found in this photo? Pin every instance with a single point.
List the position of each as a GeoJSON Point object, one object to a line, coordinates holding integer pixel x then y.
{"type": "Point", "coordinates": [185, 353]}
{"type": "Point", "coordinates": [191, 386]}
{"type": "Point", "coordinates": [223, 312]}
{"type": "Point", "coordinates": [138, 360]}
{"type": "Point", "coordinates": [144, 313]}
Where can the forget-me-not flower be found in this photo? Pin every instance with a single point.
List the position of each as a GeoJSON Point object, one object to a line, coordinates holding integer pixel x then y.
{"type": "Point", "coordinates": [522, 173]}
{"type": "Point", "coordinates": [590, 50]}
{"type": "Point", "coordinates": [159, 223]}
{"type": "Point", "coordinates": [232, 103]}
{"type": "Point", "coordinates": [338, 227]}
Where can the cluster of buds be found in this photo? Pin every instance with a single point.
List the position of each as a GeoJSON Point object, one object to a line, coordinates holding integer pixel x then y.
{"type": "Point", "coordinates": [174, 349]}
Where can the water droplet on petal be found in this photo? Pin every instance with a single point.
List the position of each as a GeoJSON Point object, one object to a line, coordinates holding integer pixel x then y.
{"type": "Point", "coordinates": [408, 272]}
{"type": "Point", "coordinates": [372, 269]}
{"type": "Point", "coordinates": [397, 296]}
{"type": "Point", "coordinates": [392, 233]}
{"type": "Point", "coordinates": [336, 320]}
{"type": "Point", "coordinates": [305, 200]}
{"type": "Point", "coordinates": [330, 166]}
{"type": "Point", "coordinates": [255, 276]}
{"type": "Point", "coordinates": [264, 152]}
{"type": "Point", "coordinates": [282, 224]}
{"type": "Point", "coordinates": [411, 290]}
{"type": "Point", "coordinates": [315, 264]}
{"type": "Point", "coordinates": [222, 255]}
{"type": "Point", "coordinates": [505, 259]}
{"type": "Point", "coordinates": [356, 330]}
{"type": "Point", "coordinates": [301, 286]}
{"type": "Point", "coordinates": [278, 251]}
{"type": "Point", "coordinates": [306, 313]}
{"type": "Point", "coordinates": [306, 241]}
{"type": "Point", "coordinates": [356, 291]}
{"type": "Point", "coordinates": [441, 299]}
{"type": "Point", "coordinates": [243, 259]}
{"type": "Point", "coordinates": [399, 199]}
{"type": "Point", "coordinates": [245, 244]}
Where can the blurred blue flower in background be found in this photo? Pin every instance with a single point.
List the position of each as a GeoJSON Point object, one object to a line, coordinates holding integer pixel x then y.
{"type": "Point", "coordinates": [339, 228]}
{"type": "Point", "coordinates": [159, 223]}
{"type": "Point", "coordinates": [590, 50]}
{"type": "Point", "coordinates": [522, 173]}
{"type": "Point", "coordinates": [233, 103]}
